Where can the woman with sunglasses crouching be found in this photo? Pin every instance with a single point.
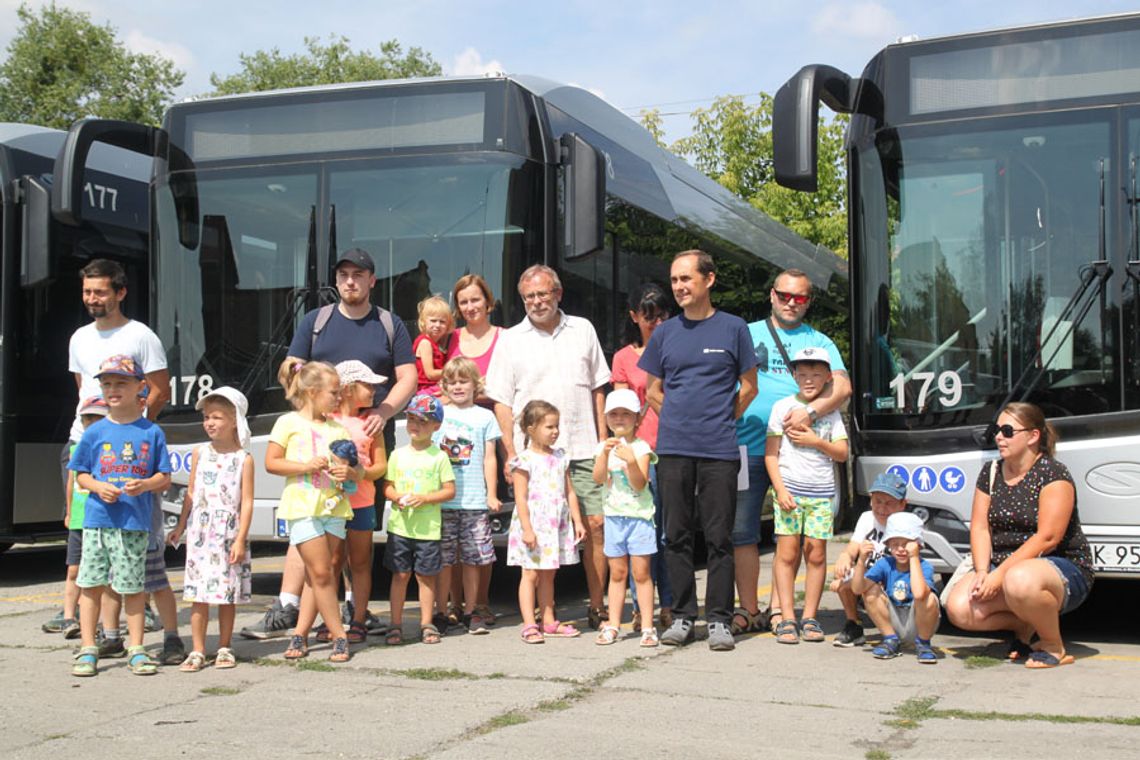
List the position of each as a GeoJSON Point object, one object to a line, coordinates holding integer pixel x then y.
{"type": "Point", "coordinates": [1032, 560]}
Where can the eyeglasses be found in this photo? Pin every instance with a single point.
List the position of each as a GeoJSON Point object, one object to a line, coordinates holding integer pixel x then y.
{"type": "Point", "coordinates": [538, 295]}
{"type": "Point", "coordinates": [796, 298]}
{"type": "Point", "coordinates": [1007, 431]}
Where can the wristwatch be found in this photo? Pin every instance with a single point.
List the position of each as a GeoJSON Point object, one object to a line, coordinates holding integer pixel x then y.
{"type": "Point", "coordinates": [813, 415]}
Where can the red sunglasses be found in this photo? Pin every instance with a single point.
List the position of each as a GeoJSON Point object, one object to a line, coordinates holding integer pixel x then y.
{"type": "Point", "coordinates": [796, 298]}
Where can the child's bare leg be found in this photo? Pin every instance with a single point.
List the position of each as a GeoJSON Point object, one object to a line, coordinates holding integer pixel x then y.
{"type": "Point", "coordinates": [360, 570]}
{"type": "Point", "coordinates": [226, 614]}
{"type": "Point", "coordinates": [89, 603]}
{"type": "Point", "coordinates": [878, 607]}
{"type": "Point", "coordinates": [642, 566]}
{"type": "Point", "coordinates": [199, 620]}
{"type": "Point", "coordinates": [134, 604]}
{"type": "Point", "coordinates": [167, 607]}
{"type": "Point", "coordinates": [527, 590]}
{"type": "Point", "coordinates": [320, 557]}
{"type": "Point", "coordinates": [849, 601]}
{"type": "Point", "coordinates": [926, 616]}
{"type": "Point", "coordinates": [445, 583]}
{"type": "Point", "coordinates": [307, 612]}
{"type": "Point", "coordinates": [427, 585]}
{"type": "Point", "coordinates": [483, 599]}
{"type": "Point", "coordinates": [784, 568]}
{"type": "Point", "coordinates": [594, 558]}
{"type": "Point", "coordinates": [397, 594]}
{"type": "Point", "coordinates": [815, 554]}
{"type": "Point", "coordinates": [111, 609]}
{"type": "Point", "coordinates": [546, 596]}
{"type": "Point", "coordinates": [619, 576]}
{"type": "Point", "coordinates": [71, 593]}
{"type": "Point", "coordinates": [468, 578]}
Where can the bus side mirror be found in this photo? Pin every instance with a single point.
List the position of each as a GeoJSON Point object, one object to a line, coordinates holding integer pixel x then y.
{"type": "Point", "coordinates": [584, 197]}
{"type": "Point", "coordinates": [795, 122]}
{"type": "Point", "coordinates": [36, 262]}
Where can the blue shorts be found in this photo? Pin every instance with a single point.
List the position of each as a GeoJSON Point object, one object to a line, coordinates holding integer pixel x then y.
{"type": "Point", "coordinates": [156, 579]}
{"type": "Point", "coordinates": [363, 518]}
{"type": "Point", "coordinates": [1076, 587]}
{"type": "Point", "coordinates": [307, 528]}
{"type": "Point", "coordinates": [406, 555]}
{"type": "Point", "coordinates": [629, 536]}
{"type": "Point", "coordinates": [750, 504]}
{"type": "Point", "coordinates": [74, 546]}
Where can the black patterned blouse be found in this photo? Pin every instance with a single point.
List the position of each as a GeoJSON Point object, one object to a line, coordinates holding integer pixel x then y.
{"type": "Point", "coordinates": [1013, 514]}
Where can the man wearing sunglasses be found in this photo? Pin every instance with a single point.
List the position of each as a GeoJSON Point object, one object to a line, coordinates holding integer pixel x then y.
{"type": "Point", "coordinates": [791, 296]}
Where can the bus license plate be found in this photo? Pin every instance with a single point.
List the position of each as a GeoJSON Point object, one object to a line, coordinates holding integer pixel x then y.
{"type": "Point", "coordinates": [1120, 558]}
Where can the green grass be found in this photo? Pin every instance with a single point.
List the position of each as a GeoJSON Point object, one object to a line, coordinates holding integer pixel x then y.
{"type": "Point", "coordinates": [436, 674]}
{"type": "Point", "coordinates": [913, 711]}
{"type": "Point", "coordinates": [917, 709]}
{"type": "Point", "coordinates": [512, 718]}
{"type": "Point", "coordinates": [877, 754]}
{"type": "Point", "coordinates": [978, 661]}
{"type": "Point", "coordinates": [317, 665]}
{"type": "Point", "coordinates": [268, 662]}
{"type": "Point", "coordinates": [219, 691]}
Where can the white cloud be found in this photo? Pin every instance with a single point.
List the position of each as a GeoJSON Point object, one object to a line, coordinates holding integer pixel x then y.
{"type": "Point", "coordinates": [470, 63]}
{"type": "Point", "coordinates": [868, 20]}
{"type": "Point", "coordinates": [593, 90]}
{"type": "Point", "coordinates": [137, 42]}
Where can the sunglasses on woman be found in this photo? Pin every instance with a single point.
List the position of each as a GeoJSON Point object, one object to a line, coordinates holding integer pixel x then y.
{"type": "Point", "coordinates": [1008, 431]}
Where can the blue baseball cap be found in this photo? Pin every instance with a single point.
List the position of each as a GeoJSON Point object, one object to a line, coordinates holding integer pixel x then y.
{"type": "Point", "coordinates": [890, 483]}
{"type": "Point", "coordinates": [425, 407]}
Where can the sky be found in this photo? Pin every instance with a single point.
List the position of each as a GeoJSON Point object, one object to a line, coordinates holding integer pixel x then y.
{"type": "Point", "coordinates": [670, 55]}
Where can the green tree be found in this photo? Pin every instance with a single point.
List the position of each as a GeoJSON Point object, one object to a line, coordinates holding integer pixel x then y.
{"type": "Point", "coordinates": [62, 66]}
{"type": "Point", "coordinates": [324, 64]}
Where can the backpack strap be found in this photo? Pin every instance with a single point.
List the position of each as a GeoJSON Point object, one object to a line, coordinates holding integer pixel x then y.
{"type": "Point", "coordinates": [389, 329]}
{"type": "Point", "coordinates": [324, 314]}
{"type": "Point", "coordinates": [993, 474]}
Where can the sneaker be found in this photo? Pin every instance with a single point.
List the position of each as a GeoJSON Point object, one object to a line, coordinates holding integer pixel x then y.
{"type": "Point", "coordinates": [111, 647]}
{"type": "Point", "coordinates": [279, 620]}
{"type": "Point", "coordinates": [346, 612]}
{"type": "Point", "coordinates": [173, 651]}
{"type": "Point", "coordinates": [55, 625]}
{"type": "Point", "coordinates": [477, 624]}
{"type": "Point", "coordinates": [487, 615]}
{"type": "Point", "coordinates": [679, 634]}
{"type": "Point", "coordinates": [151, 623]}
{"type": "Point", "coordinates": [850, 636]}
{"type": "Point", "coordinates": [70, 628]}
{"type": "Point", "coordinates": [720, 638]}
{"type": "Point", "coordinates": [374, 625]}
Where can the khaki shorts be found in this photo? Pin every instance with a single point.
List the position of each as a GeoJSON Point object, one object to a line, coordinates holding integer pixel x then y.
{"type": "Point", "coordinates": [591, 495]}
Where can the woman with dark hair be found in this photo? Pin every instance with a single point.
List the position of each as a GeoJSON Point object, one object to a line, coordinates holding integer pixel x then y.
{"type": "Point", "coordinates": [1031, 561]}
{"type": "Point", "coordinates": [648, 307]}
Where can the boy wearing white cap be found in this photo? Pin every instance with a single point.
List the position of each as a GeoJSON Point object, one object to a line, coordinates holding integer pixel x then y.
{"type": "Point", "coordinates": [621, 465]}
{"type": "Point", "coordinates": [898, 591]}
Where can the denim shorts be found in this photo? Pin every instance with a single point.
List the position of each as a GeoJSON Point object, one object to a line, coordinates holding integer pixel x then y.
{"type": "Point", "coordinates": [750, 504]}
{"type": "Point", "coordinates": [629, 536]}
{"type": "Point", "coordinates": [1076, 588]}
{"type": "Point", "coordinates": [363, 518]}
{"type": "Point", "coordinates": [307, 528]}
{"type": "Point", "coordinates": [406, 555]}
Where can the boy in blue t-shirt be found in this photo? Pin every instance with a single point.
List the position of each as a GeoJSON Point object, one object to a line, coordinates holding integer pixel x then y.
{"type": "Point", "coordinates": [121, 460]}
{"type": "Point", "coordinates": [898, 590]}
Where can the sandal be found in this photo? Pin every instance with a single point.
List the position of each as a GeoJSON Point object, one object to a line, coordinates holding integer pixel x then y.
{"type": "Point", "coordinates": [787, 632]}
{"type": "Point", "coordinates": [775, 617]}
{"type": "Point", "coordinates": [356, 633]}
{"type": "Point", "coordinates": [298, 648]}
{"type": "Point", "coordinates": [812, 630]}
{"type": "Point", "coordinates": [484, 611]}
{"type": "Point", "coordinates": [194, 662]}
{"type": "Point", "coordinates": [225, 659]}
{"type": "Point", "coordinates": [429, 634]}
{"type": "Point", "coordinates": [140, 662]}
{"type": "Point", "coordinates": [607, 635]}
{"type": "Point", "coordinates": [744, 621]}
{"type": "Point", "coordinates": [322, 634]}
{"type": "Point", "coordinates": [649, 637]}
{"type": "Point", "coordinates": [340, 651]}
{"type": "Point", "coordinates": [531, 634]}
{"type": "Point", "coordinates": [925, 652]}
{"type": "Point", "coordinates": [889, 647]}
{"type": "Point", "coordinates": [1018, 650]}
{"type": "Point", "coordinates": [394, 636]}
{"type": "Point", "coordinates": [86, 662]}
{"type": "Point", "coordinates": [557, 630]}
{"type": "Point", "coordinates": [595, 617]}
{"type": "Point", "coordinates": [1040, 660]}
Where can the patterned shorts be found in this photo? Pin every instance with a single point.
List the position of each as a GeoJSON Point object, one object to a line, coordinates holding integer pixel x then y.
{"type": "Point", "coordinates": [113, 556]}
{"type": "Point", "coordinates": [811, 517]}
{"type": "Point", "coordinates": [466, 537]}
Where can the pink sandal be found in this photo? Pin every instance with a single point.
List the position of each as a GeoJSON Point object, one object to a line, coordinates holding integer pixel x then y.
{"type": "Point", "coordinates": [532, 635]}
{"type": "Point", "coordinates": [557, 630]}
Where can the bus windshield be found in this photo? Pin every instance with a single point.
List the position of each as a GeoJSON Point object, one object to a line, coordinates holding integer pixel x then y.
{"type": "Point", "coordinates": [974, 240]}
{"type": "Point", "coordinates": [230, 306]}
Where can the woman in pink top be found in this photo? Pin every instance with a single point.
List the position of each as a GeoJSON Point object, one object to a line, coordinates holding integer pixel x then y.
{"type": "Point", "coordinates": [473, 301]}
{"type": "Point", "coordinates": [648, 307]}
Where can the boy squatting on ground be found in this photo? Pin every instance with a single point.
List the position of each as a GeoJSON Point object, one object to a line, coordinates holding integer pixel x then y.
{"type": "Point", "coordinates": [888, 496]}
{"type": "Point", "coordinates": [121, 460]}
{"type": "Point", "coordinates": [799, 462]}
{"type": "Point", "coordinates": [898, 591]}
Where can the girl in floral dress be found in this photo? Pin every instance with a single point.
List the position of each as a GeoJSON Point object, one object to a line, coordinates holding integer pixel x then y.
{"type": "Point", "coordinates": [547, 524]}
{"type": "Point", "coordinates": [218, 510]}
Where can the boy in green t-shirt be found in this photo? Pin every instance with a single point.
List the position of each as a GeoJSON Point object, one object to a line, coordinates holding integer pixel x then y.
{"type": "Point", "coordinates": [67, 621]}
{"type": "Point", "coordinates": [418, 480]}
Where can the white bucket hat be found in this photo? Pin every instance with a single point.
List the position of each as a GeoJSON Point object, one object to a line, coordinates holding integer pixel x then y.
{"type": "Point", "coordinates": [906, 525]}
{"type": "Point", "coordinates": [241, 407]}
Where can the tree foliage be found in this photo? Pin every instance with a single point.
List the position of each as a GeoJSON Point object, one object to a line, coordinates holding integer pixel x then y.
{"type": "Point", "coordinates": [62, 66]}
{"type": "Point", "coordinates": [324, 64]}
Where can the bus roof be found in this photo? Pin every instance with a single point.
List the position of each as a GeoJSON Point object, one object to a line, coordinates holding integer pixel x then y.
{"type": "Point", "coordinates": [46, 142]}
{"type": "Point", "coordinates": [1059, 23]}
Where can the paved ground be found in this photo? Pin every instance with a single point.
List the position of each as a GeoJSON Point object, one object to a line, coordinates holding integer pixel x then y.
{"type": "Point", "coordinates": [491, 696]}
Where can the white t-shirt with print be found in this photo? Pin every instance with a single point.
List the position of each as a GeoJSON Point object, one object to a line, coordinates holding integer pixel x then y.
{"type": "Point", "coordinates": [621, 499]}
{"type": "Point", "coordinates": [806, 471]}
{"type": "Point", "coordinates": [90, 347]}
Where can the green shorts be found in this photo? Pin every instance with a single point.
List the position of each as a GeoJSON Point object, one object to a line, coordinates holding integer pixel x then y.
{"type": "Point", "coordinates": [591, 495]}
{"type": "Point", "coordinates": [115, 557]}
{"type": "Point", "coordinates": [811, 518]}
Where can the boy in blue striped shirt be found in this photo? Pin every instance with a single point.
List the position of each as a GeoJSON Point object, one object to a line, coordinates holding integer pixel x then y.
{"type": "Point", "coordinates": [800, 463]}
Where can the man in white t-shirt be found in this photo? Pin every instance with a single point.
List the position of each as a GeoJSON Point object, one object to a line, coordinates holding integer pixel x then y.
{"type": "Point", "coordinates": [888, 496]}
{"type": "Point", "coordinates": [112, 333]}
